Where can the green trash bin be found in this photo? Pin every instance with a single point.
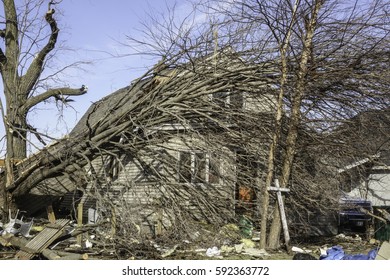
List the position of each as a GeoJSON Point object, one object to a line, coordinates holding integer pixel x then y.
{"type": "Point", "coordinates": [382, 231]}
{"type": "Point", "coordinates": [246, 226]}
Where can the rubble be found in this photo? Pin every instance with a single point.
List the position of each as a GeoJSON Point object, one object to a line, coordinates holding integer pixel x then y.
{"type": "Point", "coordinates": [299, 250]}
{"type": "Point", "coordinates": [16, 226]}
{"type": "Point", "coordinates": [37, 239]}
{"type": "Point", "coordinates": [258, 253]}
{"type": "Point", "coordinates": [228, 242]}
{"type": "Point", "coordinates": [337, 253]}
{"type": "Point", "coordinates": [356, 238]}
{"type": "Point", "coordinates": [213, 252]}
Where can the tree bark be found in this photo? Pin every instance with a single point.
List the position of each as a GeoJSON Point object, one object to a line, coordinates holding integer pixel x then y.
{"type": "Point", "coordinates": [18, 88]}
{"type": "Point", "coordinates": [295, 118]}
{"type": "Point", "coordinates": [283, 45]}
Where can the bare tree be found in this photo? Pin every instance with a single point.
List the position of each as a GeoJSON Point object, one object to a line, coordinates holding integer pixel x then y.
{"type": "Point", "coordinates": [23, 59]}
{"type": "Point", "coordinates": [299, 75]}
{"type": "Point", "coordinates": [332, 51]}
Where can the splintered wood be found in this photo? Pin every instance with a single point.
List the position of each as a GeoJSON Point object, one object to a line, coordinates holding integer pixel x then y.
{"type": "Point", "coordinates": [42, 240]}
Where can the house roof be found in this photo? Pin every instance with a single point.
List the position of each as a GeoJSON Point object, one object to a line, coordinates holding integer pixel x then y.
{"type": "Point", "coordinates": [361, 139]}
{"type": "Point", "coordinates": [358, 163]}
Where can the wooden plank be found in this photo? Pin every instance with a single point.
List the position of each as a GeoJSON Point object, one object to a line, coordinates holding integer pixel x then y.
{"type": "Point", "coordinates": [283, 215]}
{"type": "Point", "coordinates": [9, 239]}
{"type": "Point", "coordinates": [384, 252]}
{"type": "Point", "coordinates": [42, 240]}
{"type": "Point", "coordinates": [278, 189]}
{"type": "Point", "coordinates": [80, 209]}
{"type": "Point", "coordinates": [50, 214]}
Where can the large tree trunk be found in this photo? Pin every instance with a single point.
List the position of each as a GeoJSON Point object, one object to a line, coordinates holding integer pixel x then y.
{"type": "Point", "coordinates": [20, 78]}
{"type": "Point", "coordinates": [16, 136]}
{"type": "Point", "coordinates": [278, 125]}
{"type": "Point", "coordinates": [274, 233]}
{"type": "Point", "coordinates": [295, 118]}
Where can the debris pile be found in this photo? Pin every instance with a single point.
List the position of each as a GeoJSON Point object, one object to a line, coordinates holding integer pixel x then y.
{"type": "Point", "coordinates": [42, 239]}
{"type": "Point", "coordinates": [64, 239]}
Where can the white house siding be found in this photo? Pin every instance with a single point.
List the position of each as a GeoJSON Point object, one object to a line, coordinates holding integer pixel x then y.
{"type": "Point", "coordinates": [141, 200]}
{"type": "Point", "coordinates": [378, 191]}
{"type": "Point", "coordinates": [259, 103]}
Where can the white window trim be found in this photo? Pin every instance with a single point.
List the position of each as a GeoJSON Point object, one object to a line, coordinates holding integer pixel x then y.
{"type": "Point", "coordinates": [193, 160]}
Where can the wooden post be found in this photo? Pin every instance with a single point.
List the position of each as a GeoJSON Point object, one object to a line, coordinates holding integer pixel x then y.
{"type": "Point", "coordinates": [283, 218]}
{"type": "Point", "coordinates": [113, 221]}
{"type": "Point", "coordinates": [159, 222]}
{"type": "Point", "coordinates": [80, 220]}
{"type": "Point", "coordinates": [50, 214]}
{"type": "Point", "coordinates": [80, 209]}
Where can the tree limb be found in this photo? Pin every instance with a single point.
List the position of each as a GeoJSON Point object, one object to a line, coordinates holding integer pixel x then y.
{"type": "Point", "coordinates": [34, 71]}
{"type": "Point", "coordinates": [3, 60]}
{"type": "Point", "coordinates": [11, 35]}
{"type": "Point", "coordinates": [56, 92]}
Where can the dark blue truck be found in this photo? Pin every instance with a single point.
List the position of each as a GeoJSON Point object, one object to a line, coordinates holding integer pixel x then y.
{"type": "Point", "coordinates": [354, 217]}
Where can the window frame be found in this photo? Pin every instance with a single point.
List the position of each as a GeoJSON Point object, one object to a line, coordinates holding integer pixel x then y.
{"type": "Point", "coordinates": [205, 168]}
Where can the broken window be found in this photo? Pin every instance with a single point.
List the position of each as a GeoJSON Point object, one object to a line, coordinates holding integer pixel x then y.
{"type": "Point", "coordinates": [237, 100]}
{"type": "Point", "coordinates": [199, 168]}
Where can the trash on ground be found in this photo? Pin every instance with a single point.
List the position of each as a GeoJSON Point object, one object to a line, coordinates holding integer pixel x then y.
{"type": "Point", "coordinates": [254, 252]}
{"type": "Point", "coordinates": [337, 253]}
{"type": "Point", "coordinates": [246, 226]}
{"type": "Point", "coordinates": [248, 243]}
{"type": "Point", "coordinates": [213, 252]}
{"type": "Point", "coordinates": [299, 250]}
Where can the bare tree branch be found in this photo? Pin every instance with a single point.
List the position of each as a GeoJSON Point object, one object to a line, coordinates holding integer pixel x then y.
{"type": "Point", "coordinates": [58, 93]}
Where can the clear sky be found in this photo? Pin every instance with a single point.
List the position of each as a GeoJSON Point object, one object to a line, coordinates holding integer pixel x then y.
{"type": "Point", "coordinates": [94, 29]}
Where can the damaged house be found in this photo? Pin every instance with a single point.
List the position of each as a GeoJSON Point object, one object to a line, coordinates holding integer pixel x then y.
{"type": "Point", "coordinates": [176, 145]}
{"type": "Point", "coordinates": [185, 143]}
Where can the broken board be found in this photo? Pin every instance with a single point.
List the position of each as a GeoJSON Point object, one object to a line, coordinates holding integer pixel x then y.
{"type": "Point", "coordinates": [384, 252]}
{"type": "Point", "coordinates": [43, 240]}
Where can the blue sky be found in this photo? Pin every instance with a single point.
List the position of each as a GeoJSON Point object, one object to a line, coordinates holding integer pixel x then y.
{"type": "Point", "coordinates": [94, 29]}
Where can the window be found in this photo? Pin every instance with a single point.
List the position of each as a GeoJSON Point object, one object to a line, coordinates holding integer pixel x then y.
{"type": "Point", "coordinates": [229, 99]}
{"type": "Point", "coordinates": [222, 99]}
{"type": "Point", "coordinates": [112, 167]}
{"type": "Point", "coordinates": [237, 100]}
{"type": "Point", "coordinates": [197, 167]}
{"type": "Point", "coordinates": [213, 170]}
{"type": "Point", "coordinates": [184, 167]}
